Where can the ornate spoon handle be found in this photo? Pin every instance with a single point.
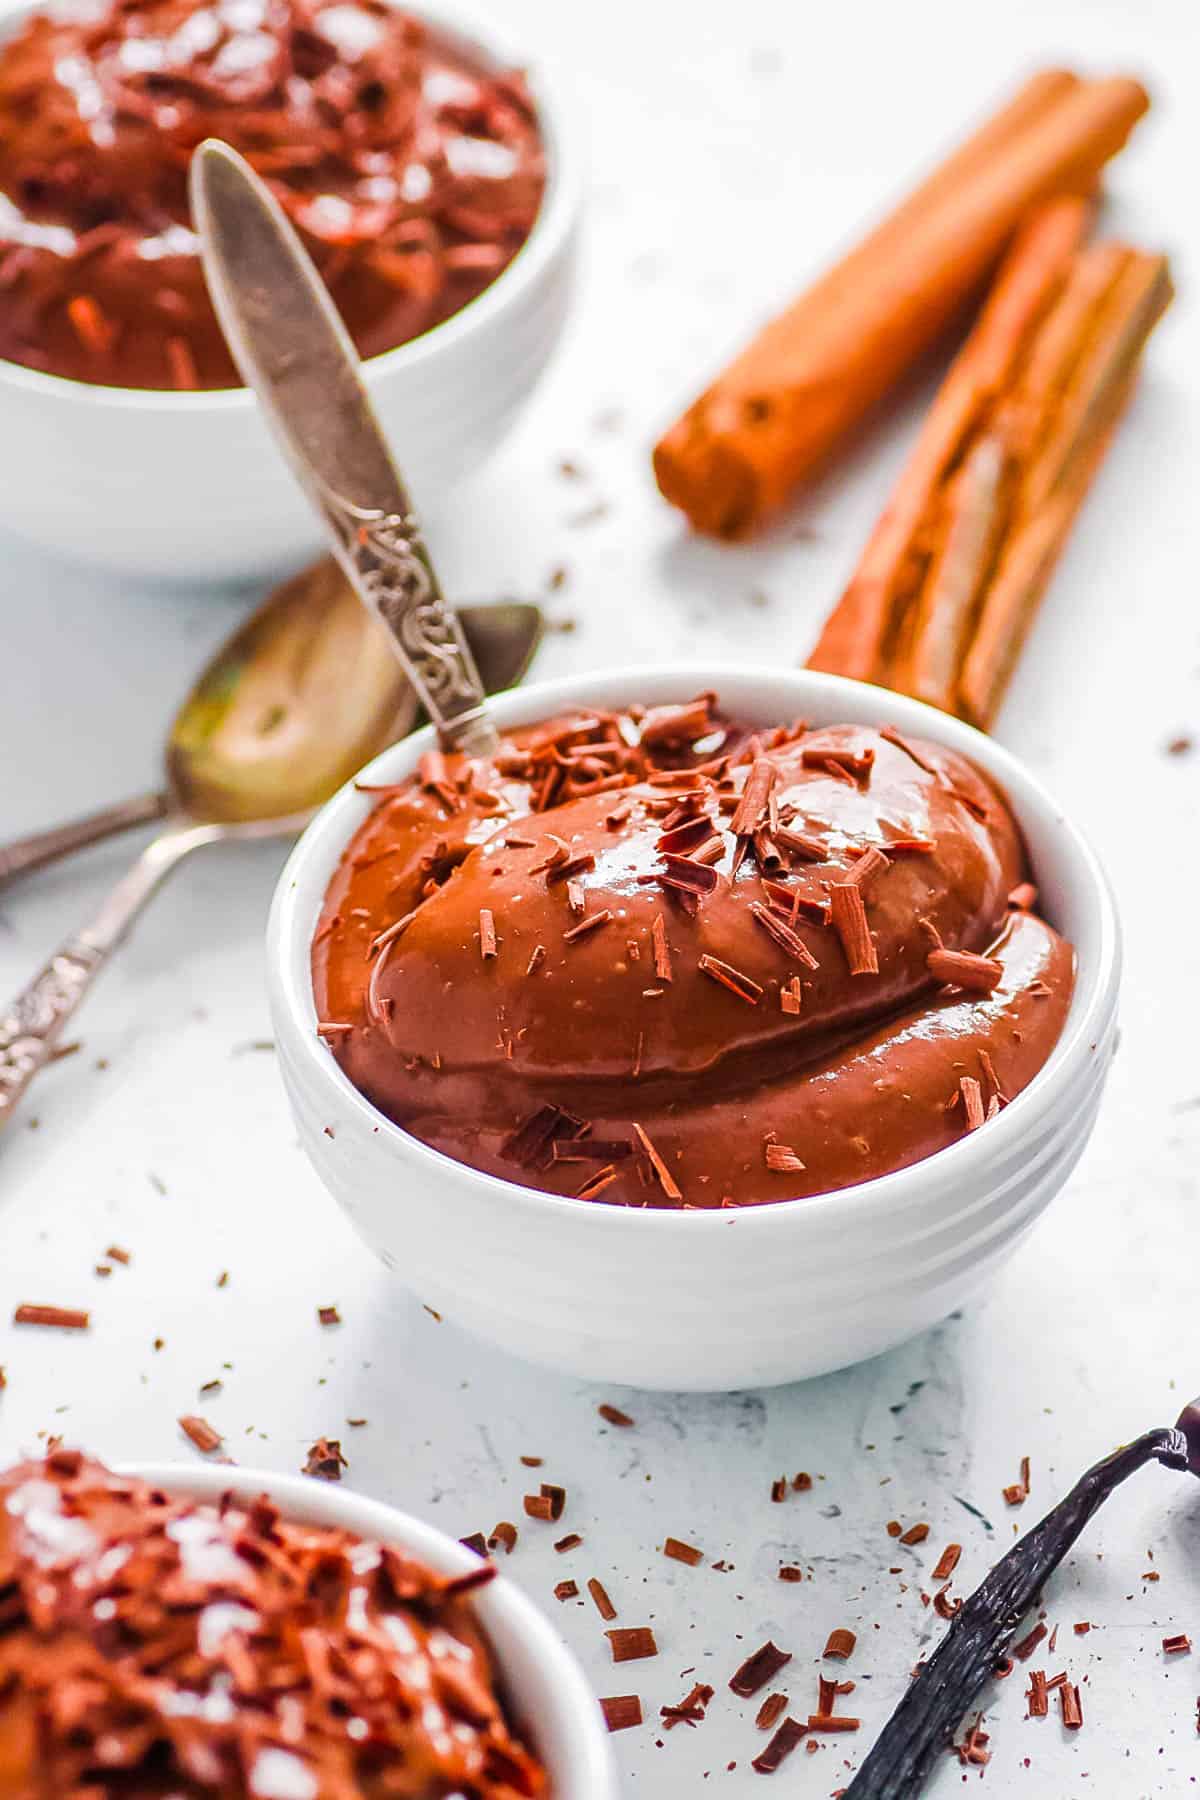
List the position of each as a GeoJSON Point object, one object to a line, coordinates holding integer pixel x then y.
{"type": "Point", "coordinates": [42, 847]}
{"type": "Point", "coordinates": [291, 347]}
{"type": "Point", "coordinates": [31, 1027]}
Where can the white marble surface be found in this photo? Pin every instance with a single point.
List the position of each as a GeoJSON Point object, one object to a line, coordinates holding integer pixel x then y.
{"type": "Point", "coordinates": [732, 149]}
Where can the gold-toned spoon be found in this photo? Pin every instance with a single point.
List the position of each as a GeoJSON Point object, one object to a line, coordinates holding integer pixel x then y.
{"type": "Point", "coordinates": [298, 699]}
{"type": "Point", "coordinates": [308, 648]}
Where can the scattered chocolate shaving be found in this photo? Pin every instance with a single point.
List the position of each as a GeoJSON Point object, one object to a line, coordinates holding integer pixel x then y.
{"type": "Point", "coordinates": [532, 1462]}
{"type": "Point", "coordinates": [590, 1149]}
{"type": "Point", "coordinates": [855, 763]}
{"type": "Point", "coordinates": [531, 1140]}
{"type": "Point", "coordinates": [576, 897]}
{"type": "Point", "coordinates": [687, 836]}
{"type": "Point", "coordinates": [585, 927]}
{"type": "Point", "coordinates": [759, 1669]}
{"type": "Point", "coordinates": [1029, 1643]}
{"type": "Point", "coordinates": [329, 1315]}
{"type": "Point", "coordinates": [963, 969]}
{"type": "Point", "coordinates": [630, 1643]}
{"type": "Point", "coordinates": [943, 1606]}
{"type": "Point", "coordinates": [1082, 1628]}
{"type": "Point", "coordinates": [66, 1318]}
{"type": "Point", "coordinates": [504, 1533]}
{"type": "Point", "coordinates": [840, 1643]}
{"type": "Point", "coordinates": [850, 922]}
{"type": "Point", "coordinates": [1177, 1645]}
{"type": "Point", "coordinates": [604, 1605]}
{"type": "Point", "coordinates": [779, 1489]}
{"type": "Point", "coordinates": [972, 1099]}
{"type": "Point", "coordinates": [678, 1551]}
{"type": "Point", "coordinates": [871, 863]}
{"type": "Point", "coordinates": [789, 996]}
{"type": "Point", "coordinates": [783, 934]}
{"type": "Point", "coordinates": [892, 736]}
{"type": "Point", "coordinates": [770, 1710]}
{"type": "Point", "coordinates": [800, 843]}
{"type": "Point", "coordinates": [621, 1711]}
{"type": "Point", "coordinates": [782, 1159]}
{"type": "Point", "coordinates": [789, 1572]}
{"type": "Point", "coordinates": [1037, 1696]}
{"type": "Point", "coordinates": [487, 934]}
{"type": "Point", "coordinates": [548, 1503]}
{"type": "Point", "coordinates": [752, 807]}
{"type": "Point", "coordinates": [201, 1433]}
{"type": "Point", "coordinates": [687, 875]}
{"type": "Point", "coordinates": [1070, 1707]}
{"type": "Point", "coordinates": [780, 1747]}
{"type": "Point", "coordinates": [662, 950]}
{"type": "Point", "coordinates": [802, 1483]}
{"type": "Point", "coordinates": [916, 1534]}
{"type": "Point", "coordinates": [690, 1710]}
{"type": "Point", "coordinates": [665, 1179]}
{"type": "Point", "coordinates": [474, 1578]}
{"type": "Point", "coordinates": [572, 866]}
{"type": "Point", "coordinates": [613, 1414]}
{"type": "Point", "coordinates": [566, 1590]}
{"type": "Point", "coordinates": [325, 1460]}
{"type": "Point", "coordinates": [115, 1254]}
{"type": "Point", "coordinates": [830, 1722]}
{"type": "Point", "coordinates": [596, 1184]}
{"type": "Point", "coordinates": [946, 1563]}
{"type": "Point", "coordinates": [731, 978]}
{"type": "Point", "coordinates": [1018, 1491]}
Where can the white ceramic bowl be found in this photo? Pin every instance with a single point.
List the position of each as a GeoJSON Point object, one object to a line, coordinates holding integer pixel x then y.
{"type": "Point", "coordinates": [192, 487]}
{"type": "Point", "coordinates": [542, 1682]}
{"type": "Point", "coordinates": [719, 1299]}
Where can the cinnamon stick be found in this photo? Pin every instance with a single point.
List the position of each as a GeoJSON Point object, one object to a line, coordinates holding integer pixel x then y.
{"type": "Point", "coordinates": [773, 416]}
{"type": "Point", "coordinates": [952, 576]}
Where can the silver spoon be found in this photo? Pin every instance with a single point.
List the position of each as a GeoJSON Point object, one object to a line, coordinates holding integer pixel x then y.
{"type": "Point", "coordinates": [293, 350]}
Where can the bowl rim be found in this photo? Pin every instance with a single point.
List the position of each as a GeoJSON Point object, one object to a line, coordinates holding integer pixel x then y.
{"type": "Point", "coordinates": [590, 1773]}
{"type": "Point", "coordinates": [552, 226]}
{"type": "Point", "coordinates": [1092, 1003]}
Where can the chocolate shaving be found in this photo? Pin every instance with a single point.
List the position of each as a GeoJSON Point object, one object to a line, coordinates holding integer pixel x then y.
{"type": "Point", "coordinates": [531, 1141]}
{"type": "Point", "coordinates": [782, 1159]}
{"type": "Point", "coordinates": [759, 1669]}
{"type": "Point", "coordinates": [621, 1711]}
{"type": "Point", "coordinates": [972, 1099]}
{"type": "Point", "coordinates": [855, 763]}
{"type": "Point", "coordinates": [325, 1460]}
{"type": "Point", "coordinates": [566, 1590]}
{"type": "Point", "coordinates": [840, 1643]}
{"type": "Point", "coordinates": [1178, 1645]}
{"type": "Point", "coordinates": [783, 934]}
{"type": "Point", "coordinates": [613, 1414]}
{"type": "Point", "coordinates": [871, 863]}
{"type": "Point", "coordinates": [572, 866]}
{"type": "Point", "coordinates": [548, 1503]}
{"type": "Point", "coordinates": [781, 1746]}
{"type": "Point", "coordinates": [731, 978]}
{"type": "Point", "coordinates": [504, 1533]}
{"type": "Point", "coordinates": [963, 969]}
{"type": "Point", "coordinates": [200, 1433]}
{"type": "Point", "coordinates": [596, 1184]}
{"type": "Point", "coordinates": [665, 1179]}
{"type": "Point", "coordinates": [916, 1534]}
{"type": "Point", "coordinates": [789, 996]}
{"type": "Point", "coordinates": [593, 922]}
{"type": "Point", "coordinates": [682, 839]}
{"type": "Point", "coordinates": [678, 724]}
{"type": "Point", "coordinates": [662, 950]}
{"type": "Point", "coordinates": [1029, 1643]}
{"type": "Point", "coordinates": [830, 1722]}
{"type": "Point", "coordinates": [572, 1541]}
{"type": "Point", "coordinates": [689, 876]}
{"type": "Point", "coordinates": [892, 736]}
{"type": "Point", "coordinates": [789, 1572]}
{"type": "Point", "coordinates": [800, 843]}
{"type": "Point", "coordinates": [590, 1149]}
{"type": "Point", "coordinates": [690, 1710]}
{"type": "Point", "coordinates": [66, 1318]}
{"type": "Point", "coordinates": [752, 807]}
{"type": "Point", "coordinates": [603, 1604]}
{"type": "Point", "coordinates": [678, 1551]}
{"type": "Point", "coordinates": [537, 958]}
{"type": "Point", "coordinates": [1070, 1706]}
{"type": "Point", "coordinates": [770, 1710]}
{"type": "Point", "coordinates": [946, 1563]}
{"type": "Point", "coordinates": [475, 1541]}
{"type": "Point", "coordinates": [487, 934]}
{"type": "Point", "coordinates": [630, 1643]}
{"type": "Point", "coordinates": [850, 923]}
{"type": "Point", "coordinates": [329, 1315]}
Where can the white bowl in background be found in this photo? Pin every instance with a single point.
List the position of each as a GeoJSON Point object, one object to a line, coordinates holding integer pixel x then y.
{"type": "Point", "coordinates": [706, 1300]}
{"type": "Point", "coordinates": [192, 486]}
{"type": "Point", "coordinates": [542, 1683]}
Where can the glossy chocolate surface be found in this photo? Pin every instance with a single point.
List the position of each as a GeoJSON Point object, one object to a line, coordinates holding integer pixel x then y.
{"type": "Point", "coordinates": [412, 173]}
{"type": "Point", "coordinates": [157, 1649]}
{"type": "Point", "coordinates": [704, 1049]}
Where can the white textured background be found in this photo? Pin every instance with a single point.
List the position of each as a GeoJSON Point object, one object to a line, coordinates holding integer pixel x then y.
{"type": "Point", "coordinates": [732, 148]}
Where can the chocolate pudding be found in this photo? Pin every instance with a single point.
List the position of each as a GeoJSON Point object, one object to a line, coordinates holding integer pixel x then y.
{"type": "Point", "coordinates": [153, 1648]}
{"type": "Point", "coordinates": [658, 958]}
{"type": "Point", "coordinates": [413, 173]}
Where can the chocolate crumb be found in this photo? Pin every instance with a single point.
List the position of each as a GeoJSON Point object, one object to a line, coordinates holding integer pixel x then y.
{"type": "Point", "coordinates": [201, 1433]}
{"type": "Point", "coordinates": [325, 1460]}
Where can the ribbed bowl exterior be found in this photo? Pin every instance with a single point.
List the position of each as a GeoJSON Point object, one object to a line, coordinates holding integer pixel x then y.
{"type": "Point", "coordinates": [707, 1300]}
{"type": "Point", "coordinates": [192, 487]}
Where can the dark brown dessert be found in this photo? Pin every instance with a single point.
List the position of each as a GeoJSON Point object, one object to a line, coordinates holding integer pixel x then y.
{"type": "Point", "coordinates": [156, 1649]}
{"type": "Point", "coordinates": [656, 958]}
{"type": "Point", "coordinates": [412, 173]}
